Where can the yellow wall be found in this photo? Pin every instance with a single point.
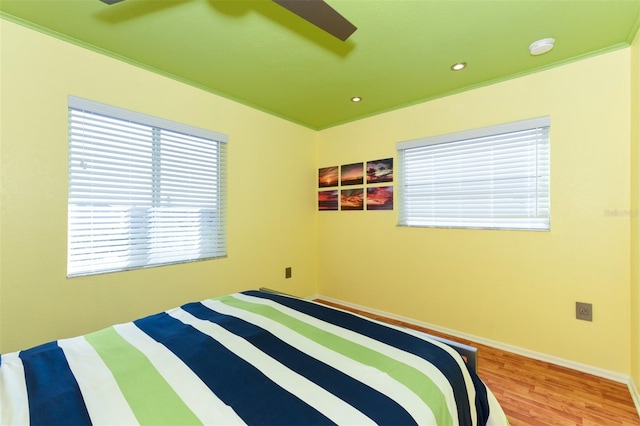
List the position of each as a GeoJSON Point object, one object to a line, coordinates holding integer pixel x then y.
{"type": "Point", "coordinates": [271, 216]}
{"type": "Point", "coordinates": [514, 287]}
{"type": "Point", "coordinates": [635, 207]}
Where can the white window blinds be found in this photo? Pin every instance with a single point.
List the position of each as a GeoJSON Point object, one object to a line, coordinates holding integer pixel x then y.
{"type": "Point", "coordinates": [143, 191]}
{"type": "Point", "coordinates": [496, 177]}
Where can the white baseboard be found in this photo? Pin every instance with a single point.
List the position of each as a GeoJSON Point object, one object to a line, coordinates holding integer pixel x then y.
{"type": "Point", "coordinates": [635, 394]}
{"type": "Point", "coordinates": [596, 371]}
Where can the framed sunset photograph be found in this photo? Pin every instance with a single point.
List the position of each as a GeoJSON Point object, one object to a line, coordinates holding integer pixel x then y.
{"type": "Point", "coordinates": [352, 174]}
{"type": "Point", "coordinates": [380, 198]}
{"type": "Point", "coordinates": [327, 176]}
{"type": "Point", "coordinates": [352, 199]}
{"type": "Point", "coordinates": [379, 171]}
{"type": "Point", "coordinates": [328, 200]}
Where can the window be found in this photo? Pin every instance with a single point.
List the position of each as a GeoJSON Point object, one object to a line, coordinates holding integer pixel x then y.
{"type": "Point", "coordinates": [496, 178]}
{"type": "Point", "coordinates": [143, 191]}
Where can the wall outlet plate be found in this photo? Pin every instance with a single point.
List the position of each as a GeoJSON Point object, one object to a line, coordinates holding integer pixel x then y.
{"type": "Point", "coordinates": [584, 311]}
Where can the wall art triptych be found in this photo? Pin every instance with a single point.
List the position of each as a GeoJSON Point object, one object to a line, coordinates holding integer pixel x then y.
{"type": "Point", "coordinates": [347, 196]}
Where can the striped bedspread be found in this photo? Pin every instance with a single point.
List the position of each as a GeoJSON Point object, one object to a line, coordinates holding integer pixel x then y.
{"type": "Point", "coordinates": [246, 358]}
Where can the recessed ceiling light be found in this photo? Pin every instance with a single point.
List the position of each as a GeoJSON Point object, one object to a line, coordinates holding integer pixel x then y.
{"type": "Point", "coordinates": [459, 66]}
{"type": "Point", "coordinates": [356, 99]}
{"type": "Point", "coordinates": [541, 46]}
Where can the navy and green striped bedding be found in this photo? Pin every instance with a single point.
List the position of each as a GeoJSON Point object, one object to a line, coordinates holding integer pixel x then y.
{"type": "Point", "coordinates": [246, 358]}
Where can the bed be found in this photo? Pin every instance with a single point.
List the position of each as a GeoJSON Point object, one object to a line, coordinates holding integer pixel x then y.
{"type": "Point", "coordinates": [255, 357]}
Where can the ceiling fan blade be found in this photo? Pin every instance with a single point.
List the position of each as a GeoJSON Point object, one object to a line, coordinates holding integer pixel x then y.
{"type": "Point", "coordinates": [317, 12]}
{"type": "Point", "coordinates": [321, 15]}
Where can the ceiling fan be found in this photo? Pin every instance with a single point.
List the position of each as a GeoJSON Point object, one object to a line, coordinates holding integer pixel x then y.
{"type": "Point", "coordinates": [317, 12]}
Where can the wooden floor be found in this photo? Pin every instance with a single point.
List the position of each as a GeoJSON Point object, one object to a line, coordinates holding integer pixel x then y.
{"type": "Point", "coordinates": [533, 392]}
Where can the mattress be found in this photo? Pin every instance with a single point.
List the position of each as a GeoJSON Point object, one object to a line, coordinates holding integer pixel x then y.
{"type": "Point", "coordinates": [247, 358]}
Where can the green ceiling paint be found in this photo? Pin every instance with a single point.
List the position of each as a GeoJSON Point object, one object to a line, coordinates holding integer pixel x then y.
{"type": "Point", "coordinates": [258, 53]}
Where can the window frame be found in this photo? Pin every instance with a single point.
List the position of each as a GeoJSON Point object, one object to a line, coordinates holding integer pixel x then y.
{"type": "Point", "coordinates": [542, 173]}
{"type": "Point", "coordinates": [203, 217]}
